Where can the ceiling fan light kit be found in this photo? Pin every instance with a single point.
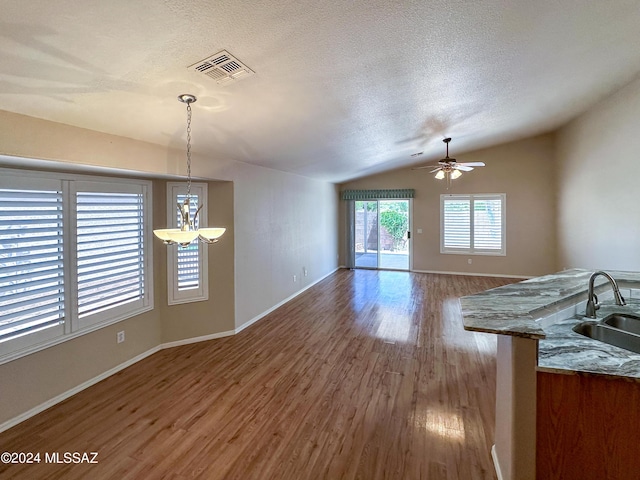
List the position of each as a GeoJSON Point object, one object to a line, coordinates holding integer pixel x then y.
{"type": "Point", "coordinates": [449, 168]}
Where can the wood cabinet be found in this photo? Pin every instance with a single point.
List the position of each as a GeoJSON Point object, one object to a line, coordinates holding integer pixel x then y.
{"type": "Point", "coordinates": [588, 427]}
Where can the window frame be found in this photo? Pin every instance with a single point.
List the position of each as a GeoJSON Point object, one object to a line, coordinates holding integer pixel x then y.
{"type": "Point", "coordinates": [471, 250]}
{"type": "Point", "coordinates": [176, 296]}
{"type": "Point", "coordinates": [71, 326]}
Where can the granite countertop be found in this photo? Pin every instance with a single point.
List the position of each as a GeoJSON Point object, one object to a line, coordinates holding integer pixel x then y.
{"type": "Point", "coordinates": [546, 308]}
{"type": "Point", "coordinates": [565, 351]}
{"type": "Point", "coordinates": [518, 309]}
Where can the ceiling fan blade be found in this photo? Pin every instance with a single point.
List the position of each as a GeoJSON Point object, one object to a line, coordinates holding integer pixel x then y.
{"type": "Point", "coordinates": [435, 169]}
{"type": "Point", "coordinates": [464, 168]}
{"type": "Point", "coordinates": [425, 166]}
{"type": "Point", "coordinates": [473, 164]}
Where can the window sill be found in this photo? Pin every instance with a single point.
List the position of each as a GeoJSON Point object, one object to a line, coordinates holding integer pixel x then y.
{"type": "Point", "coordinates": [475, 253]}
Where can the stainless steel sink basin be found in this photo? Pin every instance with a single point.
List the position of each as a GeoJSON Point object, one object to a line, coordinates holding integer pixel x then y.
{"type": "Point", "coordinates": [623, 321]}
{"type": "Point", "coordinates": [608, 334]}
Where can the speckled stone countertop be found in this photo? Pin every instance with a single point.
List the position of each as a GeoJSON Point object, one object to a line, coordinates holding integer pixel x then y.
{"type": "Point", "coordinates": [546, 308]}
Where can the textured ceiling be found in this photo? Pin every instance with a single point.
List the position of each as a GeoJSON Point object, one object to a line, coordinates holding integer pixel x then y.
{"type": "Point", "coordinates": [342, 88]}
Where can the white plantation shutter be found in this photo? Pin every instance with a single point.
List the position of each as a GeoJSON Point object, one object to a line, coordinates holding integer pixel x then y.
{"type": "Point", "coordinates": [473, 224]}
{"type": "Point", "coordinates": [110, 250]}
{"type": "Point", "coordinates": [487, 225]}
{"type": "Point", "coordinates": [188, 265]}
{"type": "Point", "coordinates": [31, 262]}
{"type": "Point", "coordinates": [457, 223]}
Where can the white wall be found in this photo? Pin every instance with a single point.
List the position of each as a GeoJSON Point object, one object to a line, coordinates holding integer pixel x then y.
{"type": "Point", "coordinates": [598, 185]}
{"type": "Point", "coordinates": [283, 224]}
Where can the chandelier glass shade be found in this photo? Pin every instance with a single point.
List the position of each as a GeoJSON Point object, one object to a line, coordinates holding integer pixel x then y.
{"type": "Point", "coordinates": [172, 236]}
{"type": "Point", "coordinates": [188, 233]}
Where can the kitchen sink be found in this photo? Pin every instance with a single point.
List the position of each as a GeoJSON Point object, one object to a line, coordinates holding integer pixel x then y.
{"type": "Point", "coordinates": [609, 334]}
{"type": "Point", "coordinates": [623, 321]}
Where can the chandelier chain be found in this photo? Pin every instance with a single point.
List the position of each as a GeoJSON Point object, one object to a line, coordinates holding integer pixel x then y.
{"type": "Point", "coordinates": [189, 150]}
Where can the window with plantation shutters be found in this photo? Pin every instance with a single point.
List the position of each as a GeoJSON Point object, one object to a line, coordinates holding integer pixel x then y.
{"type": "Point", "coordinates": [110, 251]}
{"type": "Point", "coordinates": [74, 256]}
{"type": "Point", "coordinates": [187, 275]}
{"type": "Point", "coordinates": [31, 264]}
{"type": "Point", "coordinates": [473, 224]}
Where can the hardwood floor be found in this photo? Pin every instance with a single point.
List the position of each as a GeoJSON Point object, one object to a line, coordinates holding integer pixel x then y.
{"type": "Point", "coordinates": [367, 375]}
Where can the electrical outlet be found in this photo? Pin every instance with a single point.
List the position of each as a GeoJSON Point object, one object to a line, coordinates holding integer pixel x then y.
{"type": "Point", "coordinates": [120, 336]}
{"type": "Point", "coordinates": [304, 270]}
{"type": "Point", "coordinates": [469, 261]}
{"type": "Point", "coordinates": [294, 278]}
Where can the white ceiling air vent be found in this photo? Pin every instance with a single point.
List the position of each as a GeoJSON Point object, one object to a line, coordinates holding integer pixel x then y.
{"type": "Point", "coordinates": [223, 67]}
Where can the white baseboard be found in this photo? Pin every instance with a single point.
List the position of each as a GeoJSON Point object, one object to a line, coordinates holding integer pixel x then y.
{"type": "Point", "coordinates": [472, 274]}
{"type": "Point", "coordinates": [278, 305]}
{"type": "Point", "coordinates": [203, 338]}
{"type": "Point", "coordinates": [496, 463]}
{"type": "Point", "coordinates": [69, 393]}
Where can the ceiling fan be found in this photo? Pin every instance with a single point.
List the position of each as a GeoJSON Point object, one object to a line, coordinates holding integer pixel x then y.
{"type": "Point", "coordinates": [449, 168]}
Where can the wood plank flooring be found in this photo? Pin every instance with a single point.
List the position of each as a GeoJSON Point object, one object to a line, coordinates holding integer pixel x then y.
{"type": "Point", "coordinates": [367, 375]}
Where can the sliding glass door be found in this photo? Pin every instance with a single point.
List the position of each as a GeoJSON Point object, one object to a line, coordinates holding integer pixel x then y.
{"type": "Point", "coordinates": [381, 234]}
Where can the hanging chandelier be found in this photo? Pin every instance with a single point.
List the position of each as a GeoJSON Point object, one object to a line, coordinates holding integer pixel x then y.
{"type": "Point", "coordinates": [188, 233]}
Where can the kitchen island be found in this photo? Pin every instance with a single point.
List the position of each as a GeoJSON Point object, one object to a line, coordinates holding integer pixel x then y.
{"type": "Point", "coordinates": [536, 344]}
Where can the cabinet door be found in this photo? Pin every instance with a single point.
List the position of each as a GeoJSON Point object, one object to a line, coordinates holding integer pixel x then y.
{"type": "Point", "coordinates": [587, 427]}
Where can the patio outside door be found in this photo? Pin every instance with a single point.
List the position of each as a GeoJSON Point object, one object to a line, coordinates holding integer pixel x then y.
{"type": "Point", "coordinates": [381, 234]}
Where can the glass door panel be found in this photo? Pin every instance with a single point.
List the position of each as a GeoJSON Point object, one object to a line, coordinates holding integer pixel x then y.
{"type": "Point", "coordinates": [366, 234]}
{"type": "Point", "coordinates": [394, 234]}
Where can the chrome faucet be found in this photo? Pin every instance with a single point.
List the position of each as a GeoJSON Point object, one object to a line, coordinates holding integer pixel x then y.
{"type": "Point", "coordinates": [592, 300]}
